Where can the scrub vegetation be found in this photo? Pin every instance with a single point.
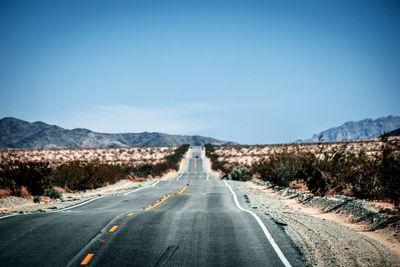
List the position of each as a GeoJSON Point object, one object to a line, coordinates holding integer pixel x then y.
{"type": "Point", "coordinates": [339, 170]}
{"type": "Point", "coordinates": [24, 178]}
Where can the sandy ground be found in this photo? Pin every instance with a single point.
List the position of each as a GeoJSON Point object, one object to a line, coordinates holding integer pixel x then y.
{"type": "Point", "coordinates": [325, 239]}
{"type": "Point", "coordinates": [15, 205]}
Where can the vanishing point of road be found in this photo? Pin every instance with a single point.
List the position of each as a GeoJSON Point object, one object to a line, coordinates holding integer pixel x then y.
{"type": "Point", "coordinates": [189, 221]}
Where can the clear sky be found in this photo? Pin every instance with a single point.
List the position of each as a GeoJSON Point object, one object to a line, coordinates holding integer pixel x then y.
{"type": "Point", "coordinates": [245, 71]}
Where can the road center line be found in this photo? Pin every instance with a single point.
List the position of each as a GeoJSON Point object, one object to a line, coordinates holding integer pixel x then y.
{"type": "Point", "coordinates": [263, 227]}
{"type": "Point", "coordinates": [112, 229]}
{"type": "Point", "coordinates": [157, 203]}
{"type": "Point", "coordinates": [87, 259]}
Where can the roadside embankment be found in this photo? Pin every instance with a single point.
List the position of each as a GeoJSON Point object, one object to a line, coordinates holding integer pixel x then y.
{"type": "Point", "coordinates": [19, 205]}
{"type": "Point", "coordinates": [330, 231]}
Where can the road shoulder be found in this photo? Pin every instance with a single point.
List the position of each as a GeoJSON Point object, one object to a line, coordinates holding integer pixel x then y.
{"type": "Point", "coordinates": [18, 205]}
{"type": "Point", "coordinates": [323, 242]}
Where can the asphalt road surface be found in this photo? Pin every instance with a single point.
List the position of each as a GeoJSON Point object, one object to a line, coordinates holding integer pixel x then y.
{"type": "Point", "coordinates": [190, 221]}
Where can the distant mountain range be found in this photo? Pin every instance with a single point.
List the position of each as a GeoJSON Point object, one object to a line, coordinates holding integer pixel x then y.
{"type": "Point", "coordinates": [358, 130]}
{"type": "Point", "coordinates": [394, 133]}
{"type": "Point", "coordinates": [15, 133]}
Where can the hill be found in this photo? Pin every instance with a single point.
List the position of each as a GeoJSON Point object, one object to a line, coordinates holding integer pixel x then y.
{"type": "Point", "coordinates": [16, 133]}
{"type": "Point", "coordinates": [394, 133]}
{"type": "Point", "coordinates": [358, 130]}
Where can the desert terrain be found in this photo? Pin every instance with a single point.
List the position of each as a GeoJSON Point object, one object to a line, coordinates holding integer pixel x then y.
{"type": "Point", "coordinates": [113, 156]}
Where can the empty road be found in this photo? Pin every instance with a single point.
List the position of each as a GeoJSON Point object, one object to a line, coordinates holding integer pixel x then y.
{"type": "Point", "coordinates": [190, 221]}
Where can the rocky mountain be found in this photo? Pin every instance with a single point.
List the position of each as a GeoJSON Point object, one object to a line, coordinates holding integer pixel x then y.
{"type": "Point", "coordinates": [15, 133]}
{"type": "Point", "coordinates": [358, 130]}
{"type": "Point", "coordinates": [394, 132]}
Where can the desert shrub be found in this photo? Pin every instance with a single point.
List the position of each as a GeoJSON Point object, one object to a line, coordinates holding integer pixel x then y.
{"type": "Point", "coordinates": [78, 175]}
{"type": "Point", "coordinates": [52, 193]}
{"type": "Point", "coordinates": [104, 174]}
{"type": "Point", "coordinates": [240, 173]}
{"type": "Point", "coordinates": [24, 192]}
{"type": "Point", "coordinates": [341, 171]}
{"type": "Point", "coordinates": [36, 199]}
{"type": "Point", "coordinates": [5, 192]}
{"type": "Point", "coordinates": [308, 170]}
{"type": "Point", "coordinates": [389, 170]}
{"type": "Point", "coordinates": [33, 178]}
{"type": "Point", "coordinates": [362, 176]}
{"type": "Point", "coordinates": [32, 175]}
{"type": "Point", "coordinates": [285, 167]}
{"type": "Point", "coordinates": [216, 164]}
{"type": "Point", "coordinates": [171, 162]}
{"type": "Point", "coordinates": [142, 170]}
{"type": "Point", "coordinates": [70, 175]}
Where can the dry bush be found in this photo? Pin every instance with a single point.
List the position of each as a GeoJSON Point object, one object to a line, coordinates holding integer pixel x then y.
{"type": "Point", "coordinates": [32, 175]}
{"type": "Point", "coordinates": [171, 162]}
{"type": "Point", "coordinates": [78, 175]}
{"type": "Point", "coordinates": [216, 163]}
{"type": "Point", "coordinates": [25, 178]}
{"type": "Point", "coordinates": [5, 192]}
{"type": "Point", "coordinates": [368, 170]}
{"type": "Point", "coordinates": [23, 192]}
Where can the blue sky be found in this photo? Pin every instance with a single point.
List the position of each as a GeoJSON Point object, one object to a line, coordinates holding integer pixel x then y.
{"type": "Point", "coordinates": [246, 71]}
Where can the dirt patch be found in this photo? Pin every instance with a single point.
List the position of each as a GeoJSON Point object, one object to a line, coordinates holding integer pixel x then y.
{"type": "Point", "coordinates": [325, 238]}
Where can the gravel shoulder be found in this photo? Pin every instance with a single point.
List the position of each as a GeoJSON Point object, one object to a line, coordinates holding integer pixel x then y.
{"type": "Point", "coordinates": [325, 238]}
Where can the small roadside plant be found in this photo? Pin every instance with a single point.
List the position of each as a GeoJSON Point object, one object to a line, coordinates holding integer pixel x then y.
{"type": "Point", "coordinates": [36, 199]}
{"type": "Point", "coordinates": [216, 164]}
{"type": "Point", "coordinates": [240, 173]}
{"type": "Point", "coordinates": [54, 194]}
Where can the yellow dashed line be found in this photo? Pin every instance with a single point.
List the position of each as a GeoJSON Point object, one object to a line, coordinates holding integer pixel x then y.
{"type": "Point", "coordinates": [87, 259]}
{"type": "Point", "coordinates": [166, 197]}
{"type": "Point", "coordinates": [157, 203]}
{"type": "Point", "coordinates": [183, 189]}
{"type": "Point", "coordinates": [112, 229]}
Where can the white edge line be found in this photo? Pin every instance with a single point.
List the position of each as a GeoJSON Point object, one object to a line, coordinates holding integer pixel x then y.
{"type": "Point", "coordinates": [179, 176]}
{"type": "Point", "coordinates": [263, 227]}
{"type": "Point", "coordinates": [64, 209]}
{"type": "Point", "coordinates": [11, 215]}
{"type": "Point", "coordinates": [141, 188]}
{"type": "Point", "coordinates": [204, 165]}
{"type": "Point", "coordinates": [83, 203]}
{"type": "Point", "coordinates": [80, 204]}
